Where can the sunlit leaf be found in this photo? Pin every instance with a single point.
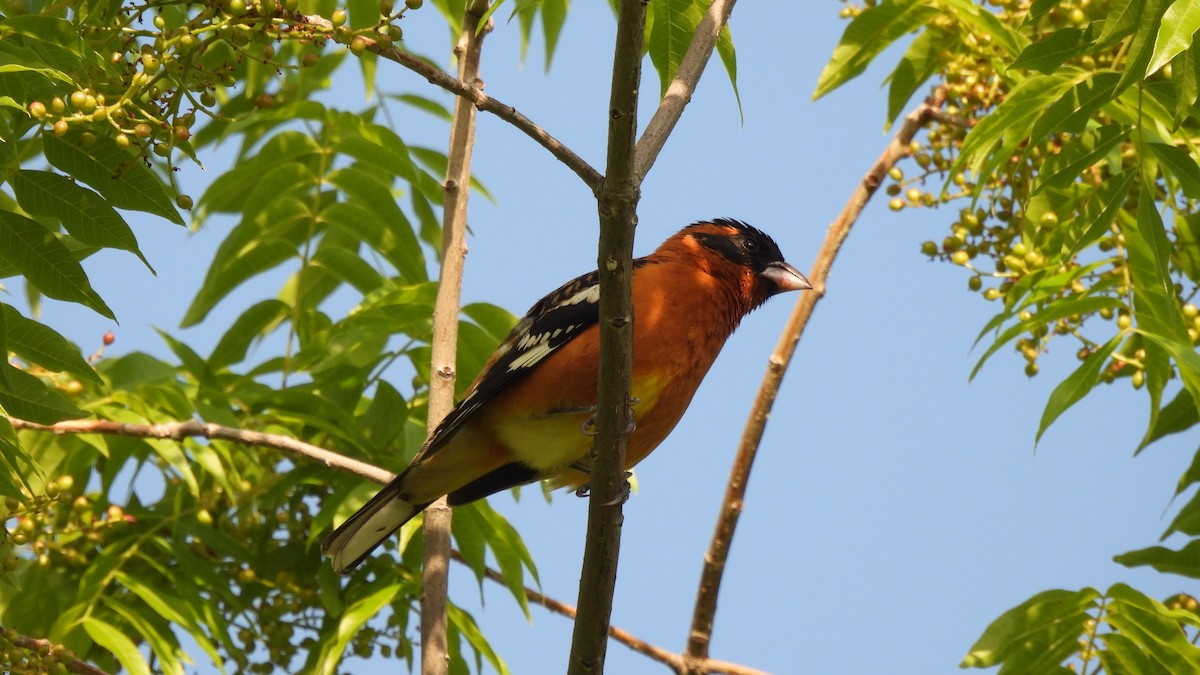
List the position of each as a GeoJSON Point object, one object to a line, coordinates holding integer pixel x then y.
{"type": "Point", "coordinates": [1077, 385]}
{"type": "Point", "coordinates": [46, 263]}
{"type": "Point", "coordinates": [867, 36]}
{"type": "Point", "coordinates": [40, 344]}
{"type": "Point", "coordinates": [1179, 24]}
{"type": "Point", "coordinates": [88, 217]}
{"type": "Point", "coordinates": [114, 640]}
{"type": "Point", "coordinates": [1036, 635]}
{"type": "Point", "coordinates": [116, 174]}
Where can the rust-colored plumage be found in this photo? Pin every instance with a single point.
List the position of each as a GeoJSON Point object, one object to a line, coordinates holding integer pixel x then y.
{"type": "Point", "coordinates": [525, 416]}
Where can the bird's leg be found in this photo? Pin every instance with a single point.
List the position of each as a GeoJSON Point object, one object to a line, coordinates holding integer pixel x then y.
{"type": "Point", "coordinates": [585, 489]}
{"type": "Point", "coordinates": [588, 428]}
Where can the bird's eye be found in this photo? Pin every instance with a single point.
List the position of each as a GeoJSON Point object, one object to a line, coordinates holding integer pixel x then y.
{"type": "Point", "coordinates": [750, 245]}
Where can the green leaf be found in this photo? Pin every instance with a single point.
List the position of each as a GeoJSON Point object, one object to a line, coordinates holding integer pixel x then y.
{"type": "Point", "coordinates": [429, 105]}
{"type": "Point", "coordinates": [1078, 156]}
{"type": "Point", "coordinates": [1154, 628]}
{"type": "Point", "coordinates": [1066, 307]}
{"type": "Point", "coordinates": [728, 56]}
{"type": "Point", "coordinates": [915, 68]}
{"type": "Point", "coordinates": [1179, 415]}
{"type": "Point", "coordinates": [1120, 20]}
{"type": "Point", "coordinates": [984, 22]}
{"type": "Point", "coordinates": [1123, 656]}
{"type": "Point", "coordinates": [38, 343]}
{"type": "Point", "coordinates": [252, 325]}
{"type": "Point", "coordinates": [1110, 199]}
{"type": "Point", "coordinates": [867, 36]}
{"type": "Point", "coordinates": [554, 15]}
{"type": "Point", "coordinates": [253, 247]}
{"type": "Point", "coordinates": [466, 626]}
{"type": "Point", "coordinates": [111, 638]}
{"type": "Point", "coordinates": [1186, 82]}
{"type": "Point", "coordinates": [86, 215]}
{"type": "Point", "coordinates": [1179, 24]}
{"type": "Point", "coordinates": [348, 624]}
{"type": "Point", "coordinates": [113, 172]}
{"type": "Point", "coordinates": [1056, 49]}
{"type": "Point", "coordinates": [370, 215]}
{"type": "Point", "coordinates": [1184, 562]}
{"type": "Point", "coordinates": [1073, 112]}
{"type": "Point", "coordinates": [46, 262]}
{"type": "Point", "coordinates": [349, 268]}
{"type": "Point", "coordinates": [671, 24]}
{"type": "Point", "coordinates": [998, 135]}
{"type": "Point", "coordinates": [1077, 385]}
{"type": "Point", "coordinates": [1141, 48]}
{"type": "Point", "coordinates": [1179, 164]}
{"type": "Point", "coordinates": [163, 643]}
{"type": "Point", "coordinates": [1037, 634]}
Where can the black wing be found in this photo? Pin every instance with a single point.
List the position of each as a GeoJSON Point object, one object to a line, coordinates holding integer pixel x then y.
{"type": "Point", "coordinates": [551, 323]}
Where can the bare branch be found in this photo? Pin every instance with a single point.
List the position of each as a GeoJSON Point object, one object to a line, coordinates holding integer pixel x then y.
{"type": "Point", "coordinates": [679, 92]}
{"type": "Point", "coordinates": [37, 645]}
{"type": "Point", "coordinates": [670, 659]}
{"type": "Point", "coordinates": [435, 576]}
{"type": "Point", "coordinates": [474, 94]}
{"type": "Point", "coordinates": [178, 431]}
{"type": "Point", "coordinates": [731, 508]}
{"type": "Point", "coordinates": [617, 201]}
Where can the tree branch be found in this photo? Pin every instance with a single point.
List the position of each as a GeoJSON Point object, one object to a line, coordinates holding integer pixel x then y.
{"type": "Point", "coordinates": [670, 659]}
{"type": "Point", "coordinates": [679, 92]}
{"type": "Point", "coordinates": [177, 431]}
{"type": "Point", "coordinates": [474, 94]}
{"type": "Point", "coordinates": [435, 576]}
{"type": "Point", "coordinates": [731, 508]}
{"type": "Point", "coordinates": [37, 645]}
{"type": "Point", "coordinates": [617, 202]}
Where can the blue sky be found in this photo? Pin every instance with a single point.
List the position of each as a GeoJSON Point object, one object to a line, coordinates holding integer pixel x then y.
{"type": "Point", "coordinates": [895, 509]}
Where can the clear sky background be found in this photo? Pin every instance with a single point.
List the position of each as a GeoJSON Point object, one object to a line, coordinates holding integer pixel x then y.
{"type": "Point", "coordinates": [895, 509]}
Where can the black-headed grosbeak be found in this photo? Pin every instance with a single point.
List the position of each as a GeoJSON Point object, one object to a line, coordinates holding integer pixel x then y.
{"type": "Point", "coordinates": [526, 416]}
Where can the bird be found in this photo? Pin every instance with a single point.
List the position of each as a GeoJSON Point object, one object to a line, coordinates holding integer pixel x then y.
{"type": "Point", "coordinates": [526, 416]}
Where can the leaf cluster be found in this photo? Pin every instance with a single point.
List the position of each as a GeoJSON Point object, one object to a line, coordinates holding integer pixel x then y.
{"type": "Point", "coordinates": [1068, 129]}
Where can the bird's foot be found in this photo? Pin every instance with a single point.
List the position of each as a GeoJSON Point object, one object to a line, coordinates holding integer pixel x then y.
{"type": "Point", "coordinates": [586, 489]}
{"type": "Point", "coordinates": [588, 428]}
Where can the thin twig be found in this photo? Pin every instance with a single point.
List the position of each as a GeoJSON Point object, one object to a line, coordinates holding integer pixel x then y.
{"type": "Point", "coordinates": [435, 576]}
{"type": "Point", "coordinates": [178, 431]}
{"type": "Point", "coordinates": [731, 508]}
{"type": "Point", "coordinates": [668, 658]}
{"type": "Point", "coordinates": [35, 645]}
{"type": "Point", "coordinates": [482, 101]}
{"type": "Point", "coordinates": [679, 92]}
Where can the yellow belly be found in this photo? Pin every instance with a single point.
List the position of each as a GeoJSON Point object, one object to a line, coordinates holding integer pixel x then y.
{"type": "Point", "coordinates": [551, 440]}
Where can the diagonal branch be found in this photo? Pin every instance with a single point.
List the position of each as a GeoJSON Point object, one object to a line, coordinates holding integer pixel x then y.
{"type": "Point", "coordinates": [177, 431]}
{"type": "Point", "coordinates": [679, 92]}
{"type": "Point", "coordinates": [53, 651]}
{"type": "Point", "coordinates": [474, 94]}
{"type": "Point", "coordinates": [670, 659]}
{"type": "Point", "coordinates": [731, 508]}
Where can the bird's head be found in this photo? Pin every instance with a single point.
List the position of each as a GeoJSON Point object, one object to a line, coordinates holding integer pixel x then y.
{"type": "Point", "coordinates": [750, 255]}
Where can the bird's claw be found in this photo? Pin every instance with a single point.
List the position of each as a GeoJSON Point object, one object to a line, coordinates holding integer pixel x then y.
{"type": "Point", "coordinates": [585, 489]}
{"type": "Point", "coordinates": [588, 428]}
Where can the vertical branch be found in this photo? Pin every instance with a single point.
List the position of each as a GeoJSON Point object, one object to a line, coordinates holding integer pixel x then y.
{"type": "Point", "coordinates": [435, 656]}
{"type": "Point", "coordinates": [617, 205]}
{"type": "Point", "coordinates": [735, 492]}
{"type": "Point", "coordinates": [679, 92]}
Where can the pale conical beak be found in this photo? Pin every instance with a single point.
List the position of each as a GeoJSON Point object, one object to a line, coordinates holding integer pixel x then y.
{"type": "Point", "coordinates": [786, 278]}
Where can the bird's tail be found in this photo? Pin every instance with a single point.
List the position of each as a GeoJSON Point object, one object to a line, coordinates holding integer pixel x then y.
{"type": "Point", "coordinates": [369, 527]}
